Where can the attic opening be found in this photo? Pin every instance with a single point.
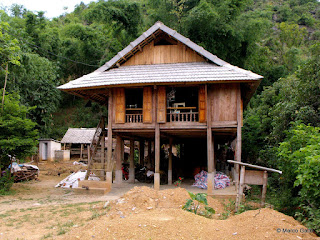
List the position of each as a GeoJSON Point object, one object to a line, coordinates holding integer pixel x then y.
{"type": "Point", "coordinates": [164, 39]}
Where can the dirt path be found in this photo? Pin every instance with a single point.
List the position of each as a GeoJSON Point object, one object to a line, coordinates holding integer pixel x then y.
{"type": "Point", "coordinates": [38, 210]}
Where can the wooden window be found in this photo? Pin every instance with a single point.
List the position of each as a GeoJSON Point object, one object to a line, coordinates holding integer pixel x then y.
{"type": "Point", "coordinates": [120, 110]}
{"type": "Point", "coordinates": [162, 103]}
{"type": "Point", "coordinates": [202, 104]}
{"type": "Point", "coordinates": [147, 105]}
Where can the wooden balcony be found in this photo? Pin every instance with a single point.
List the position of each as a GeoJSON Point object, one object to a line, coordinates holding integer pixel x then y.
{"type": "Point", "coordinates": [182, 114]}
{"type": "Point", "coordinates": [134, 118]}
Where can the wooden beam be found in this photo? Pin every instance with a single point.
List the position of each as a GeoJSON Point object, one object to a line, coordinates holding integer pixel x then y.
{"type": "Point", "coordinates": [239, 137]}
{"type": "Point", "coordinates": [131, 167]}
{"type": "Point", "coordinates": [156, 142]}
{"type": "Point", "coordinates": [264, 188]}
{"type": "Point", "coordinates": [149, 152]}
{"type": "Point", "coordinates": [210, 149]}
{"type": "Point", "coordinates": [81, 150]}
{"type": "Point", "coordinates": [255, 166]}
{"type": "Point", "coordinates": [109, 144]}
{"type": "Point", "coordinates": [102, 156]}
{"type": "Point", "coordinates": [240, 188]}
{"type": "Point", "coordinates": [157, 158]}
{"type": "Point", "coordinates": [118, 176]}
{"type": "Point", "coordinates": [170, 162]}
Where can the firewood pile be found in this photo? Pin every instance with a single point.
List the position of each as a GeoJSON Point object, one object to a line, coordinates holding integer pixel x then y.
{"type": "Point", "coordinates": [23, 172]}
{"type": "Point", "coordinates": [26, 173]}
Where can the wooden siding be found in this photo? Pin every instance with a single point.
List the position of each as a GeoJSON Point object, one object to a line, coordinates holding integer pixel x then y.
{"type": "Point", "coordinates": [162, 104]}
{"type": "Point", "coordinates": [147, 105]}
{"type": "Point", "coordinates": [224, 102]}
{"type": "Point", "coordinates": [151, 54]}
{"type": "Point", "coordinates": [202, 104]}
{"type": "Point", "coordinates": [120, 105]}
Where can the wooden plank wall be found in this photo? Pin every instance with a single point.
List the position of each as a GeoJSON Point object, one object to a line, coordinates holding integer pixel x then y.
{"type": "Point", "coordinates": [147, 105]}
{"type": "Point", "coordinates": [224, 102]}
{"type": "Point", "coordinates": [151, 54]}
{"type": "Point", "coordinates": [120, 105]}
{"type": "Point", "coordinates": [162, 104]}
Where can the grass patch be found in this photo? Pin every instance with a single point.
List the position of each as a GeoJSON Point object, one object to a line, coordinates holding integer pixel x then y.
{"type": "Point", "coordinates": [46, 236]}
{"type": "Point", "coordinates": [96, 214]}
{"type": "Point", "coordinates": [7, 214]}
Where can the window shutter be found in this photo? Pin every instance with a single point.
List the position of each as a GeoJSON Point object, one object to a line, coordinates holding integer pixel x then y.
{"type": "Point", "coordinates": [120, 105]}
{"type": "Point", "coordinates": [147, 105]}
{"type": "Point", "coordinates": [202, 104]}
{"type": "Point", "coordinates": [162, 104]}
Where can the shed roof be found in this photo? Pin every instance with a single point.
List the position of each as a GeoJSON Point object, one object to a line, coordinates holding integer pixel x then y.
{"type": "Point", "coordinates": [79, 135]}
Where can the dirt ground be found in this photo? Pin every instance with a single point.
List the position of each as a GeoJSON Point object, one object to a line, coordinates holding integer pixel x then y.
{"type": "Point", "coordinates": [38, 210]}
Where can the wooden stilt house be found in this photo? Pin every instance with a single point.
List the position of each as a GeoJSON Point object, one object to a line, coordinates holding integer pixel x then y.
{"type": "Point", "coordinates": [163, 88]}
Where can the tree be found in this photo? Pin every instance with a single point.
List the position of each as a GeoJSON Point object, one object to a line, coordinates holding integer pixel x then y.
{"type": "Point", "coordinates": [18, 136]}
{"type": "Point", "coordinates": [36, 80]}
{"type": "Point", "coordinates": [9, 50]}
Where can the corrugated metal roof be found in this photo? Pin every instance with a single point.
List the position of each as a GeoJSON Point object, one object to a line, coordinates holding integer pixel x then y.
{"type": "Point", "coordinates": [79, 135]}
{"type": "Point", "coordinates": [163, 73]}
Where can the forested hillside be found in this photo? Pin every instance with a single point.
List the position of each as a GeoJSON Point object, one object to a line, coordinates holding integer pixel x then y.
{"type": "Point", "coordinates": [277, 39]}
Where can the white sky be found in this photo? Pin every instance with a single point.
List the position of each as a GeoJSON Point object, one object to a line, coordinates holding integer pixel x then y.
{"type": "Point", "coordinates": [52, 8]}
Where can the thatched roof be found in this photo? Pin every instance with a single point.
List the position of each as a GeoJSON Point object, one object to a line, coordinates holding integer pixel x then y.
{"type": "Point", "coordinates": [79, 135]}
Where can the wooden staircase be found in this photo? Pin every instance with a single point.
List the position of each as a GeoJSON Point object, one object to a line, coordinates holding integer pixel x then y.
{"type": "Point", "coordinates": [98, 155]}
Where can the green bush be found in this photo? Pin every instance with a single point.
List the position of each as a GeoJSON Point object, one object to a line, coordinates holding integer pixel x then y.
{"type": "Point", "coordinates": [299, 159]}
{"type": "Point", "coordinates": [6, 182]}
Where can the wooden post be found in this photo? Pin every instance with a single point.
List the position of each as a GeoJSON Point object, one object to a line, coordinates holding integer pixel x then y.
{"type": "Point", "coordinates": [264, 188]}
{"type": "Point", "coordinates": [64, 146]}
{"type": "Point", "coordinates": [156, 142]}
{"type": "Point", "coordinates": [88, 149]}
{"type": "Point", "coordinates": [109, 146]}
{"type": "Point", "coordinates": [240, 188]}
{"type": "Point", "coordinates": [131, 168]}
{"type": "Point", "coordinates": [170, 162]}
{"type": "Point", "coordinates": [149, 153]}
{"type": "Point", "coordinates": [81, 150]}
{"type": "Point", "coordinates": [118, 160]}
{"type": "Point", "coordinates": [103, 161]}
{"type": "Point", "coordinates": [210, 149]}
{"type": "Point", "coordinates": [141, 152]}
{"type": "Point", "coordinates": [238, 143]}
{"type": "Point", "coordinates": [157, 158]}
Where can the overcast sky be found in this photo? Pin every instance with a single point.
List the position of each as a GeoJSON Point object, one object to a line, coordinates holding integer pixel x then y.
{"type": "Point", "coordinates": [52, 8]}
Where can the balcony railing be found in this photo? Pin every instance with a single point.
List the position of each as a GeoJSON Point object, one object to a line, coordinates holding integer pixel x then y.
{"type": "Point", "coordinates": [134, 118]}
{"type": "Point", "coordinates": [183, 117]}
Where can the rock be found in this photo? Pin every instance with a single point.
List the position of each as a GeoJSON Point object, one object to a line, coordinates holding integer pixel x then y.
{"type": "Point", "coordinates": [149, 208]}
{"type": "Point", "coordinates": [106, 204]}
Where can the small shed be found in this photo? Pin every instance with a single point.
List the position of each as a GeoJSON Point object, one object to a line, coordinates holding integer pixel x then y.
{"type": "Point", "coordinates": [78, 140]}
{"type": "Point", "coordinates": [47, 148]}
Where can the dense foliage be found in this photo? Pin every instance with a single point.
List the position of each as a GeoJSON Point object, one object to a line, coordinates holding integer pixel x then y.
{"type": "Point", "coordinates": [18, 134]}
{"type": "Point", "coordinates": [277, 39]}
